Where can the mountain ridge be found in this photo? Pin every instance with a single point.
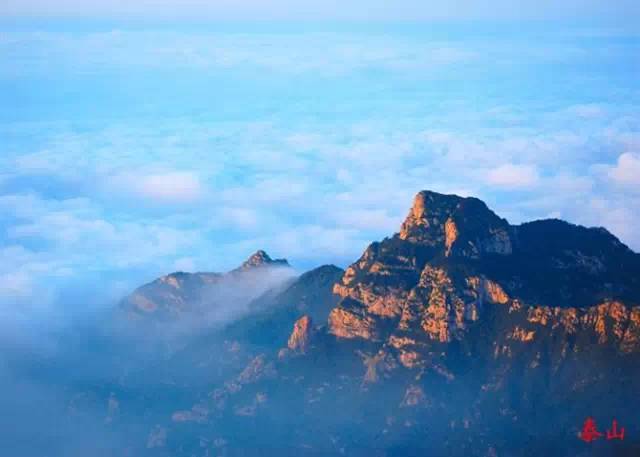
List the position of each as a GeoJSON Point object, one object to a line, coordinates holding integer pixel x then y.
{"type": "Point", "coordinates": [176, 294]}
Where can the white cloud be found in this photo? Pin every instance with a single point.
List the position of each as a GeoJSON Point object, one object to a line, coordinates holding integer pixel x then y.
{"type": "Point", "coordinates": [366, 219]}
{"type": "Point", "coordinates": [79, 239]}
{"type": "Point", "coordinates": [240, 218]}
{"type": "Point", "coordinates": [15, 285]}
{"type": "Point", "coordinates": [587, 111]}
{"type": "Point", "coordinates": [278, 187]}
{"type": "Point", "coordinates": [567, 184]}
{"type": "Point", "coordinates": [626, 172]}
{"type": "Point", "coordinates": [317, 243]}
{"type": "Point", "coordinates": [174, 186]}
{"type": "Point", "coordinates": [619, 217]}
{"type": "Point", "coordinates": [513, 176]}
{"type": "Point", "coordinates": [185, 264]}
{"type": "Point", "coordinates": [20, 270]}
{"type": "Point", "coordinates": [315, 52]}
{"type": "Point", "coordinates": [167, 187]}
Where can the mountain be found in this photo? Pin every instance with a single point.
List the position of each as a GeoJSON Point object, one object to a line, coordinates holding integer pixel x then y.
{"type": "Point", "coordinates": [261, 259]}
{"type": "Point", "coordinates": [311, 294]}
{"type": "Point", "coordinates": [182, 294]}
{"type": "Point", "coordinates": [457, 257]}
{"type": "Point", "coordinates": [197, 361]}
{"type": "Point", "coordinates": [459, 335]}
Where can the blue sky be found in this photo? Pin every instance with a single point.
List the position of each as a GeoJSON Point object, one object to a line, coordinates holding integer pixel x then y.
{"type": "Point", "coordinates": [129, 149]}
{"type": "Point", "coordinates": [332, 10]}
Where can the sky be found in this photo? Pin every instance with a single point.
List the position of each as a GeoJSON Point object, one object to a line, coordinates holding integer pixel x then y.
{"type": "Point", "coordinates": [133, 147]}
{"type": "Point", "coordinates": [329, 10]}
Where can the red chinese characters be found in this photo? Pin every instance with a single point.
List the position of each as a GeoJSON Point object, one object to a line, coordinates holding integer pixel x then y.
{"type": "Point", "coordinates": [590, 431]}
{"type": "Point", "coordinates": [614, 434]}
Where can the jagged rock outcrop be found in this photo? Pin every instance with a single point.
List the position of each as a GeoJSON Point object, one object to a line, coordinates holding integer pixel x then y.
{"type": "Point", "coordinates": [347, 324]}
{"type": "Point", "coordinates": [461, 226]}
{"type": "Point", "coordinates": [300, 338]}
{"type": "Point", "coordinates": [610, 323]}
{"type": "Point", "coordinates": [261, 259]}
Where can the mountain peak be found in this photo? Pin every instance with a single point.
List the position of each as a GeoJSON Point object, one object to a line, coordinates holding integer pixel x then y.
{"type": "Point", "coordinates": [429, 212]}
{"type": "Point", "coordinates": [427, 200]}
{"type": "Point", "coordinates": [462, 225]}
{"type": "Point", "coordinates": [261, 258]}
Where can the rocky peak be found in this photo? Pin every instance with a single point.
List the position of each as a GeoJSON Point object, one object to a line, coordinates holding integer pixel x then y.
{"type": "Point", "coordinates": [260, 258]}
{"type": "Point", "coordinates": [425, 222]}
{"type": "Point", "coordinates": [177, 294]}
{"type": "Point", "coordinates": [454, 257]}
{"type": "Point", "coordinates": [459, 226]}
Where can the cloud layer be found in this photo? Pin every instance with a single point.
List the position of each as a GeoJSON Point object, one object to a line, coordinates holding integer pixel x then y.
{"type": "Point", "coordinates": [130, 153]}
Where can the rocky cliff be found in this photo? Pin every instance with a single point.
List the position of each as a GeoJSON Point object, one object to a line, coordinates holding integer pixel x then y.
{"type": "Point", "coordinates": [453, 257]}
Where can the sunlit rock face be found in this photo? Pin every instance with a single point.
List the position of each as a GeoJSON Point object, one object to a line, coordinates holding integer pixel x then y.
{"type": "Point", "coordinates": [611, 323]}
{"type": "Point", "coordinates": [300, 338]}
{"type": "Point", "coordinates": [458, 226]}
{"type": "Point", "coordinates": [453, 256]}
{"type": "Point", "coordinates": [347, 324]}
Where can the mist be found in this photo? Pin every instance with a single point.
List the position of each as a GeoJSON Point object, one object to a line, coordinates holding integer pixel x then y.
{"type": "Point", "coordinates": [65, 370]}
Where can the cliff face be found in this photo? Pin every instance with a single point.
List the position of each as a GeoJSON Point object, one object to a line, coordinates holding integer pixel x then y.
{"type": "Point", "coordinates": [453, 257]}
{"type": "Point", "coordinates": [458, 226]}
{"type": "Point", "coordinates": [300, 338]}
